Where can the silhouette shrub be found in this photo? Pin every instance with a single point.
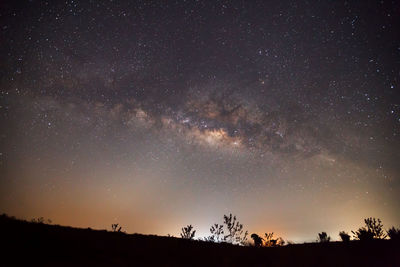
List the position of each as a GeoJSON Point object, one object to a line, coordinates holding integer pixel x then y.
{"type": "Point", "coordinates": [394, 233]}
{"type": "Point", "coordinates": [280, 241]}
{"type": "Point", "coordinates": [344, 236]}
{"type": "Point", "coordinates": [115, 227]}
{"type": "Point", "coordinates": [323, 237]}
{"type": "Point", "coordinates": [234, 233]}
{"type": "Point", "coordinates": [269, 241]}
{"type": "Point", "coordinates": [257, 240]}
{"type": "Point", "coordinates": [217, 233]}
{"type": "Point", "coordinates": [376, 227]}
{"type": "Point", "coordinates": [373, 229]}
{"type": "Point", "coordinates": [363, 234]}
{"type": "Point", "coordinates": [41, 220]}
{"type": "Point", "coordinates": [188, 232]}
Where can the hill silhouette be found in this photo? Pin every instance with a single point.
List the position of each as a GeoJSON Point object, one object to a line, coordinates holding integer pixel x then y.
{"type": "Point", "coordinates": [31, 243]}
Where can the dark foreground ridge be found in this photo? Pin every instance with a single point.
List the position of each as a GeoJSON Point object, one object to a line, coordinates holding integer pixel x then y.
{"type": "Point", "coordinates": [32, 244]}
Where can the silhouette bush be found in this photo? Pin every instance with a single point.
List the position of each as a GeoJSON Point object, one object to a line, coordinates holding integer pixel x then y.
{"type": "Point", "coordinates": [394, 233]}
{"type": "Point", "coordinates": [373, 229]}
{"type": "Point", "coordinates": [41, 220]}
{"type": "Point", "coordinates": [344, 236]}
{"type": "Point", "coordinates": [257, 240]}
{"type": "Point", "coordinates": [280, 241]}
{"type": "Point", "coordinates": [115, 227]}
{"type": "Point", "coordinates": [269, 241]}
{"type": "Point", "coordinates": [376, 227]}
{"type": "Point", "coordinates": [323, 237]}
{"type": "Point", "coordinates": [363, 234]}
{"type": "Point", "coordinates": [188, 232]}
{"type": "Point", "coordinates": [217, 233]}
{"type": "Point", "coordinates": [234, 230]}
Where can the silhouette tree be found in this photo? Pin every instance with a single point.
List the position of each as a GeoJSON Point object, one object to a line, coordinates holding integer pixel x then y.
{"type": "Point", "coordinates": [217, 233]}
{"type": "Point", "coordinates": [323, 237]}
{"type": "Point", "coordinates": [234, 233]}
{"type": "Point", "coordinates": [257, 240]}
{"type": "Point", "coordinates": [373, 229]}
{"type": "Point", "coordinates": [394, 233]}
{"type": "Point", "coordinates": [115, 227]}
{"type": "Point", "coordinates": [344, 236]}
{"type": "Point", "coordinates": [188, 232]}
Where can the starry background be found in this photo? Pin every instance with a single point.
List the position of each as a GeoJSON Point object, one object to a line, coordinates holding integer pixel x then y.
{"type": "Point", "coordinates": [158, 114]}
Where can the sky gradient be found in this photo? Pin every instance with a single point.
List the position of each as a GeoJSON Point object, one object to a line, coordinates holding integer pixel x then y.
{"type": "Point", "coordinates": [159, 114]}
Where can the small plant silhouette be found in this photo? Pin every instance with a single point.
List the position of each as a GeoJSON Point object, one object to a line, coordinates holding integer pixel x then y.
{"type": "Point", "coordinates": [373, 229]}
{"type": "Point", "coordinates": [269, 241]}
{"type": "Point", "coordinates": [38, 220]}
{"type": "Point", "coordinates": [188, 232]}
{"type": "Point", "coordinates": [257, 240]}
{"type": "Point", "coordinates": [217, 233]}
{"type": "Point", "coordinates": [344, 236]}
{"type": "Point", "coordinates": [394, 233]}
{"type": "Point", "coordinates": [41, 220]}
{"type": "Point", "coordinates": [323, 237]}
{"type": "Point", "coordinates": [115, 227]}
{"type": "Point", "coordinates": [235, 234]}
{"type": "Point", "coordinates": [280, 241]}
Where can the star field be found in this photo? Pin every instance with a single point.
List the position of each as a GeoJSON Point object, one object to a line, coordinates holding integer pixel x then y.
{"type": "Point", "coordinates": [156, 114]}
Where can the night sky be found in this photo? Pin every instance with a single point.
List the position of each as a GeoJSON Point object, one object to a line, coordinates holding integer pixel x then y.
{"type": "Point", "coordinates": [159, 114]}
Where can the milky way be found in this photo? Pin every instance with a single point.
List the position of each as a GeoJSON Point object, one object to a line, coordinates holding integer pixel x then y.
{"type": "Point", "coordinates": [156, 114]}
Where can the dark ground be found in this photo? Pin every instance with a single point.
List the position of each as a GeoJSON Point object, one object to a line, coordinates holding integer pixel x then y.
{"type": "Point", "coordinates": [36, 244]}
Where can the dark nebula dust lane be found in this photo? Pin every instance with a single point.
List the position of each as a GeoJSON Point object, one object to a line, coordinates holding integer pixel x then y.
{"type": "Point", "coordinates": [157, 114]}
